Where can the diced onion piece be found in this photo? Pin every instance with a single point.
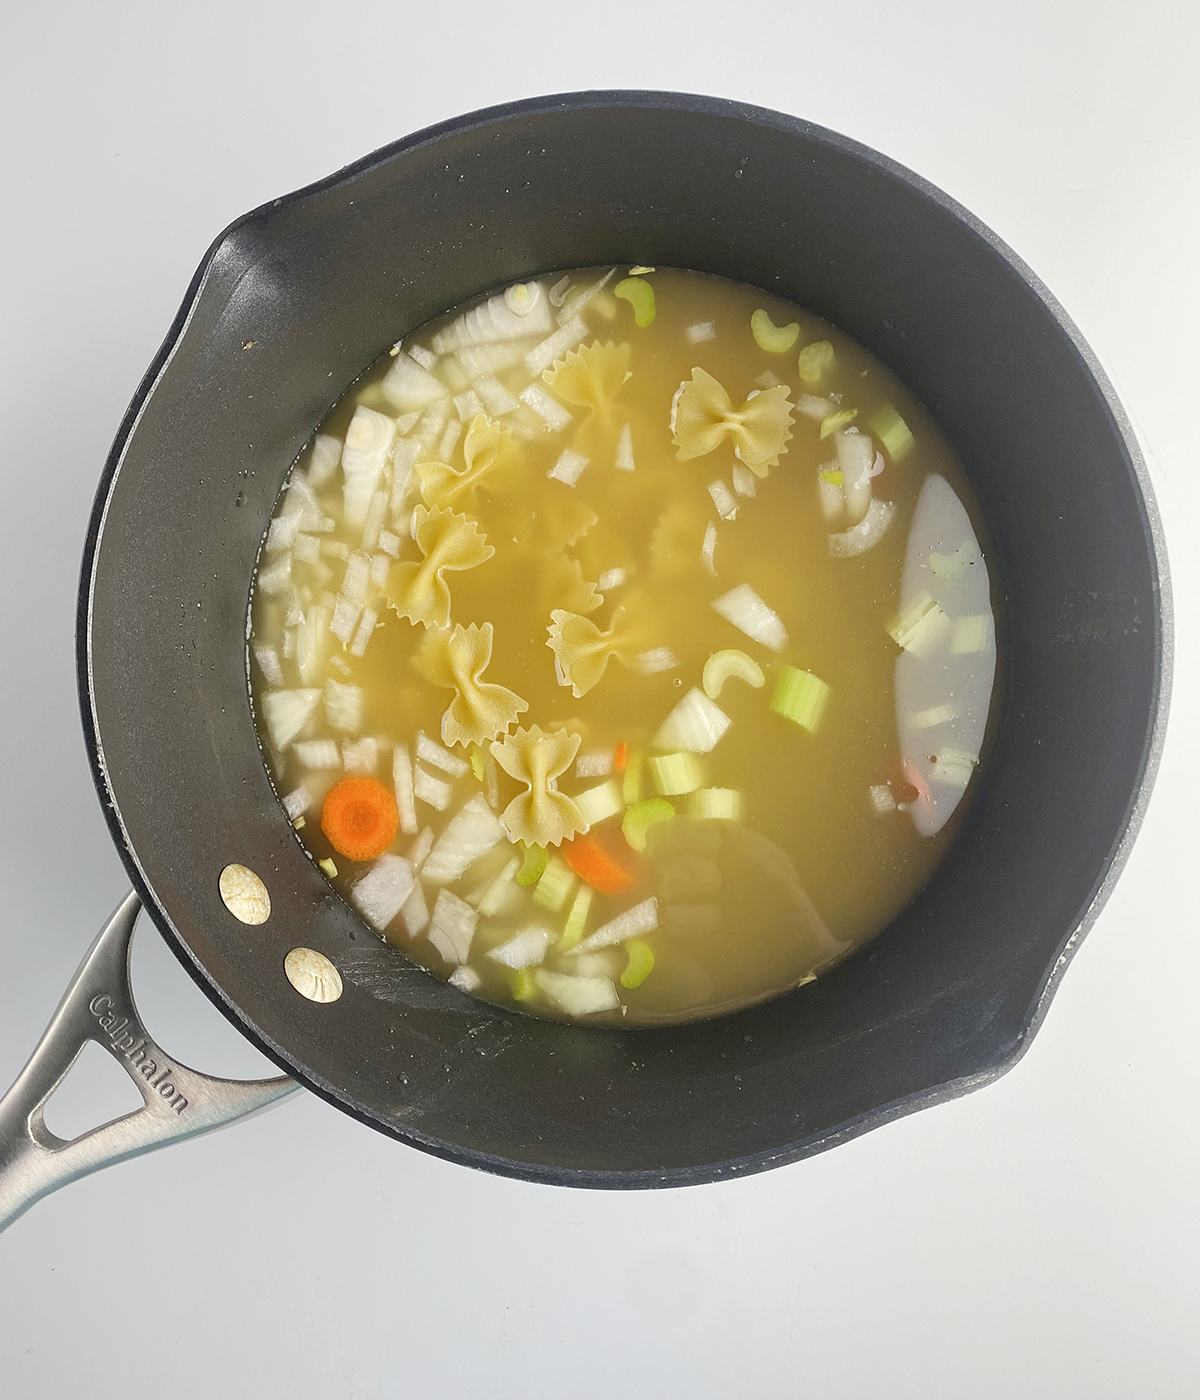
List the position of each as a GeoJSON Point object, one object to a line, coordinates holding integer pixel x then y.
{"type": "Point", "coordinates": [362, 635]}
{"type": "Point", "coordinates": [576, 920]}
{"type": "Point", "coordinates": [639, 818]}
{"type": "Point", "coordinates": [700, 332]}
{"type": "Point", "coordinates": [813, 407]}
{"type": "Point", "coordinates": [326, 454]}
{"type": "Point", "coordinates": [375, 515]}
{"type": "Point", "coordinates": [743, 481]}
{"type": "Point", "coordinates": [933, 716]}
{"type": "Point", "coordinates": [380, 893]}
{"type": "Point", "coordinates": [380, 564]}
{"type": "Point", "coordinates": [801, 697]}
{"type": "Point", "coordinates": [555, 884]}
{"type": "Point", "coordinates": [768, 379]}
{"type": "Point", "coordinates": [695, 724]}
{"type": "Point", "coordinates": [525, 949]}
{"type": "Point", "coordinates": [829, 494]}
{"type": "Point", "coordinates": [676, 773]}
{"type": "Point", "coordinates": [548, 409]}
{"type": "Point", "coordinates": [611, 578]}
{"type": "Point", "coordinates": [318, 753]}
{"type": "Point", "coordinates": [724, 499]}
{"type": "Point", "coordinates": [286, 712]}
{"type": "Point", "coordinates": [577, 996]}
{"type": "Point", "coordinates": [855, 454]}
{"type": "Point", "coordinates": [775, 340]}
{"type": "Point", "coordinates": [494, 898]}
{"type": "Point", "coordinates": [343, 706]}
{"type": "Point", "coordinates": [487, 359]}
{"type": "Point", "coordinates": [452, 926]}
{"type": "Point", "coordinates": [346, 613]}
{"type": "Point", "coordinates": [494, 320]}
{"type": "Point", "coordinates": [408, 385]}
{"type": "Point", "coordinates": [402, 778]}
{"type": "Point", "coordinates": [569, 467]}
{"type": "Point", "coordinates": [581, 299]}
{"type": "Point", "coordinates": [281, 534]}
{"type": "Point", "coordinates": [453, 430]}
{"type": "Point", "coordinates": [624, 459]}
{"type": "Point", "coordinates": [467, 406]}
{"type": "Point", "coordinates": [954, 767]}
{"type": "Point", "coordinates": [471, 833]}
{"type": "Point", "coordinates": [364, 456]}
{"type": "Point", "coordinates": [709, 547]}
{"type": "Point", "coordinates": [404, 458]}
{"type": "Point", "coordinates": [298, 801]}
{"type": "Point", "coordinates": [651, 663]}
{"type": "Point", "coordinates": [866, 534]}
{"type": "Point", "coordinates": [892, 431]}
{"type": "Point", "coordinates": [971, 634]}
{"type": "Point", "coordinates": [555, 346]}
{"type": "Point", "coordinates": [425, 358]}
{"type": "Point", "coordinates": [389, 544]}
{"type": "Point", "coordinates": [275, 579]}
{"type": "Point", "coordinates": [427, 788]}
{"type": "Point", "coordinates": [466, 979]}
{"type": "Point", "coordinates": [360, 755]}
{"type": "Point", "coordinates": [882, 799]}
{"type": "Point", "coordinates": [594, 765]}
{"type": "Point", "coordinates": [418, 852]}
{"type": "Point", "coordinates": [641, 918]}
{"type": "Point", "coordinates": [921, 628]}
{"type": "Point", "coordinates": [308, 549]}
{"type": "Point", "coordinates": [731, 664]}
{"type": "Point", "coordinates": [599, 803]}
{"type": "Point", "coordinates": [494, 396]}
{"type": "Point", "coordinates": [640, 964]}
{"type": "Point", "coordinates": [428, 751]}
{"type": "Point", "coordinates": [268, 663]}
{"type": "Point", "coordinates": [522, 298]}
{"type": "Point", "coordinates": [716, 804]}
{"type": "Point", "coordinates": [749, 614]}
{"type": "Point", "coordinates": [414, 912]}
{"type": "Point", "coordinates": [815, 362]}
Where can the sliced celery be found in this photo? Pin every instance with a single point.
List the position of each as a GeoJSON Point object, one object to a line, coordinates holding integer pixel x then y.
{"type": "Point", "coordinates": [576, 920]}
{"type": "Point", "coordinates": [716, 804]}
{"type": "Point", "coordinates": [641, 817]}
{"type": "Point", "coordinates": [524, 985]}
{"type": "Point", "coordinates": [835, 422]}
{"type": "Point", "coordinates": [834, 477]}
{"type": "Point", "coordinates": [639, 270]}
{"type": "Point", "coordinates": [801, 697]}
{"type": "Point", "coordinates": [892, 431]}
{"type": "Point", "coordinates": [555, 885]}
{"type": "Point", "coordinates": [921, 627]}
{"type": "Point", "coordinates": [531, 869]}
{"type": "Point", "coordinates": [328, 866]}
{"type": "Point", "coordinates": [815, 362]}
{"type": "Point", "coordinates": [640, 964]}
{"type": "Point", "coordinates": [640, 295]}
{"type": "Point", "coordinates": [770, 337]}
{"type": "Point", "coordinates": [675, 773]}
{"type": "Point", "coordinates": [633, 777]}
{"type": "Point", "coordinates": [597, 804]}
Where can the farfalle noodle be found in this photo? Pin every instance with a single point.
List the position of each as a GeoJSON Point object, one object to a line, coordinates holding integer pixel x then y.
{"type": "Point", "coordinates": [488, 453]}
{"type": "Point", "coordinates": [457, 659]}
{"type": "Point", "coordinates": [582, 651]}
{"type": "Point", "coordinates": [449, 542]}
{"type": "Point", "coordinates": [541, 815]}
{"type": "Point", "coordinates": [590, 377]}
{"type": "Point", "coordinates": [704, 417]}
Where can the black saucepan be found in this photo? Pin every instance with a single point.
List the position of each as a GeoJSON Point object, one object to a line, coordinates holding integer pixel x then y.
{"type": "Point", "coordinates": [295, 299]}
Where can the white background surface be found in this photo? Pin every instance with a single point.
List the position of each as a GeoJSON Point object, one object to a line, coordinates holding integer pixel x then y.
{"type": "Point", "coordinates": [1039, 1238]}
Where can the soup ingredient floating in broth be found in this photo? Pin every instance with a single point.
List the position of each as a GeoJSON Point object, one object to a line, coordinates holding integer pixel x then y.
{"type": "Point", "coordinates": [622, 646]}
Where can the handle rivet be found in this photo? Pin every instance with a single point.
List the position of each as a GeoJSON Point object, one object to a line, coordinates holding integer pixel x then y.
{"type": "Point", "coordinates": [245, 895]}
{"type": "Point", "coordinates": [313, 975]}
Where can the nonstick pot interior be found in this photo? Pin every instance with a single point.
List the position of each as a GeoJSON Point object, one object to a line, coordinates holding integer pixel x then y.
{"type": "Point", "coordinates": [293, 302]}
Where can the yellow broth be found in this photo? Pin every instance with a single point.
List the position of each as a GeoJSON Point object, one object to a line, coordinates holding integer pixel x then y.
{"type": "Point", "coordinates": [812, 867]}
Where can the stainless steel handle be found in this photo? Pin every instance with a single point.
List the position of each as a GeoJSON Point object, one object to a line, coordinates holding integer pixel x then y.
{"type": "Point", "coordinates": [179, 1102]}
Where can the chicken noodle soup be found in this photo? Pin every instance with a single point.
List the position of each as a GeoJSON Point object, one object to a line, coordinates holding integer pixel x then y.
{"type": "Point", "coordinates": [622, 646]}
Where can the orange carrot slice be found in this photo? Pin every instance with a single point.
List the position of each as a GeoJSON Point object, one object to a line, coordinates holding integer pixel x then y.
{"type": "Point", "coordinates": [359, 818]}
{"type": "Point", "coordinates": [593, 864]}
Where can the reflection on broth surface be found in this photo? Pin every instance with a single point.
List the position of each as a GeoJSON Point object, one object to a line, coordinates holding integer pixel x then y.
{"type": "Point", "coordinates": [622, 646]}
